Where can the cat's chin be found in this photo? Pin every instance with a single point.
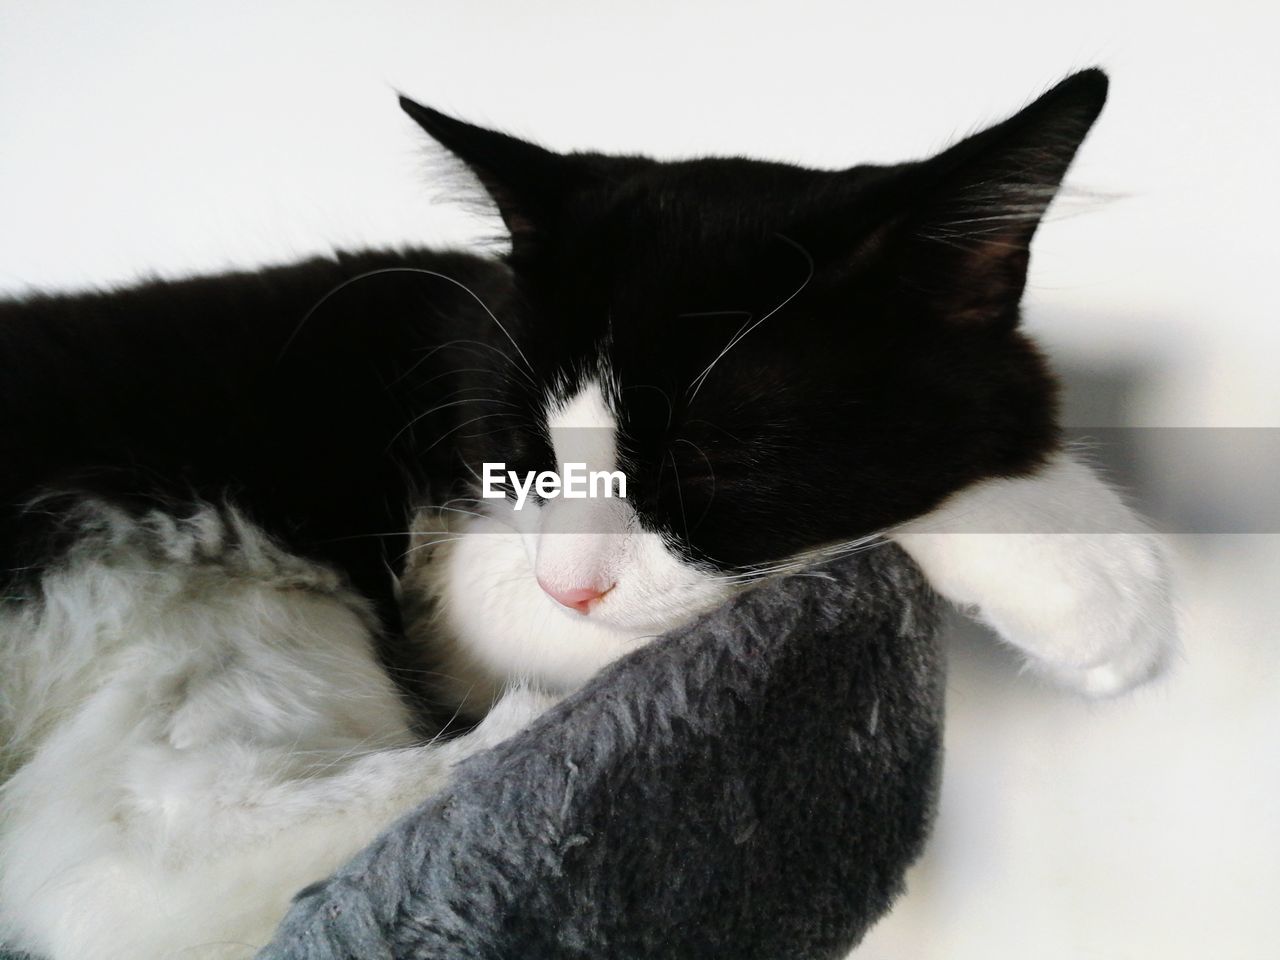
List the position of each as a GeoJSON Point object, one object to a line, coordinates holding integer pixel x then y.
{"type": "Point", "coordinates": [473, 602]}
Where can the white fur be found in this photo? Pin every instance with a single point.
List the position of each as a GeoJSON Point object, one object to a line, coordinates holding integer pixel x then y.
{"type": "Point", "coordinates": [199, 728]}
{"type": "Point", "coordinates": [497, 625]}
{"type": "Point", "coordinates": [494, 620]}
{"type": "Point", "coordinates": [581, 542]}
{"type": "Point", "coordinates": [195, 725]}
{"type": "Point", "coordinates": [1059, 567]}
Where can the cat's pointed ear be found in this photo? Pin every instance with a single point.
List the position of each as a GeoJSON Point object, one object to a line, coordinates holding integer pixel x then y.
{"type": "Point", "coordinates": [526, 182]}
{"type": "Point", "coordinates": [977, 205]}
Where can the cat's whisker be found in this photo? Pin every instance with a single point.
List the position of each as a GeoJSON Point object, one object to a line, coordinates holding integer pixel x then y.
{"type": "Point", "coordinates": [451, 344]}
{"type": "Point", "coordinates": [747, 328]}
{"type": "Point", "coordinates": [454, 429]}
{"type": "Point", "coordinates": [432, 543]}
{"type": "Point", "coordinates": [480, 480]}
{"type": "Point", "coordinates": [803, 561]}
{"type": "Point", "coordinates": [445, 508]}
{"type": "Point", "coordinates": [679, 493]}
{"type": "Point", "coordinates": [415, 270]}
{"type": "Point", "coordinates": [445, 406]}
{"type": "Point", "coordinates": [711, 469]}
{"type": "Point", "coordinates": [473, 347]}
{"type": "Point", "coordinates": [663, 393]}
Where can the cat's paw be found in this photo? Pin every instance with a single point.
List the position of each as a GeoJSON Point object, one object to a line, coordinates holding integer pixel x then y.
{"type": "Point", "coordinates": [1129, 610]}
{"type": "Point", "coordinates": [1091, 611]}
{"type": "Point", "coordinates": [1061, 568]}
{"type": "Point", "coordinates": [1097, 615]}
{"type": "Point", "coordinates": [1108, 679]}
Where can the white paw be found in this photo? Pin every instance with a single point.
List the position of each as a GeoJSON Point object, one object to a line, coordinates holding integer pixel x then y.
{"type": "Point", "coordinates": [1093, 612]}
{"type": "Point", "coordinates": [1061, 568]}
{"type": "Point", "coordinates": [1122, 631]}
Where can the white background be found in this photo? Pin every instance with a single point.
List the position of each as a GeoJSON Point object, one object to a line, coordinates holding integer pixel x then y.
{"type": "Point", "coordinates": [176, 137]}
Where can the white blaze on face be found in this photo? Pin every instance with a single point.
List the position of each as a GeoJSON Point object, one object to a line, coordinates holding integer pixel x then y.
{"type": "Point", "coordinates": [580, 545]}
{"type": "Point", "coordinates": [496, 588]}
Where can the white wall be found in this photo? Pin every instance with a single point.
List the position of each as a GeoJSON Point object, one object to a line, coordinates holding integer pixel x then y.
{"type": "Point", "coordinates": [177, 137]}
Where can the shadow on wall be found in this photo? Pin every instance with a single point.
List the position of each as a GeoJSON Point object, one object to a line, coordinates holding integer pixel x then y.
{"type": "Point", "coordinates": [1184, 479]}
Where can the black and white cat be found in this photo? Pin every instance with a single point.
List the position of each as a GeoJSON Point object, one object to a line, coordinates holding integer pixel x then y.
{"type": "Point", "coordinates": [249, 563]}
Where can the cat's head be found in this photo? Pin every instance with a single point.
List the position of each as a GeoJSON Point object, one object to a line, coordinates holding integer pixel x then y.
{"type": "Point", "coordinates": [778, 358]}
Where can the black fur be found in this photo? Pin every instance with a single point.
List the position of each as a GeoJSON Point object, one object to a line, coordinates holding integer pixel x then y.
{"type": "Point", "coordinates": [214, 388]}
{"type": "Point", "coordinates": [885, 371]}
{"type": "Point", "coordinates": [879, 370]}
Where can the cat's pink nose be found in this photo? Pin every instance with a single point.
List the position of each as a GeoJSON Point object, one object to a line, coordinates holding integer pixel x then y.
{"type": "Point", "coordinates": [576, 598]}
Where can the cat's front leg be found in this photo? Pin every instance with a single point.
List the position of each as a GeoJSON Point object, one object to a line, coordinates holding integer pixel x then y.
{"type": "Point", "coordinates": [1059, 567]}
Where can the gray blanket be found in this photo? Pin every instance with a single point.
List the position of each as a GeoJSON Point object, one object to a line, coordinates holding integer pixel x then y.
{"type": "Point", "coordinates": [751, 786]}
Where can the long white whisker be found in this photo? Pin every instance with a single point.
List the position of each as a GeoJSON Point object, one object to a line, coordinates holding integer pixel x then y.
{"type": "Point", "coordinates": [445, 406]}
{"type": "Point", "coordinates": [804, 560]}
{"type": "Point", "coordinates": [419, 270]}
{"type": "Point", "coordinates": [737, 338]}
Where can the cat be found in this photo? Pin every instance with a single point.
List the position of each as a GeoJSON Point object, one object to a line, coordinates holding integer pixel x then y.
{"type": "Point", "coordinates": [251, 573]}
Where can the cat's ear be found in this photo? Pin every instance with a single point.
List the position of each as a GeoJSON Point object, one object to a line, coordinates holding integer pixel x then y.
{"type": "Point", "coordinates": [526, 182]}
{"type": "Point", "coordinates": [975, 207]}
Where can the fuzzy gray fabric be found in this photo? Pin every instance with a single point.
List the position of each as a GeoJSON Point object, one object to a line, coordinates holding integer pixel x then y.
{"type": "Point", "coordinates": [751, 786]}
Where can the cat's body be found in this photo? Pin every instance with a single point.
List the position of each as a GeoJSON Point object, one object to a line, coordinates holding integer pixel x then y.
{"type": "Point", "coordinates": [250, 568]}
{"type": "Point", "coordinates": [214, 390]}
